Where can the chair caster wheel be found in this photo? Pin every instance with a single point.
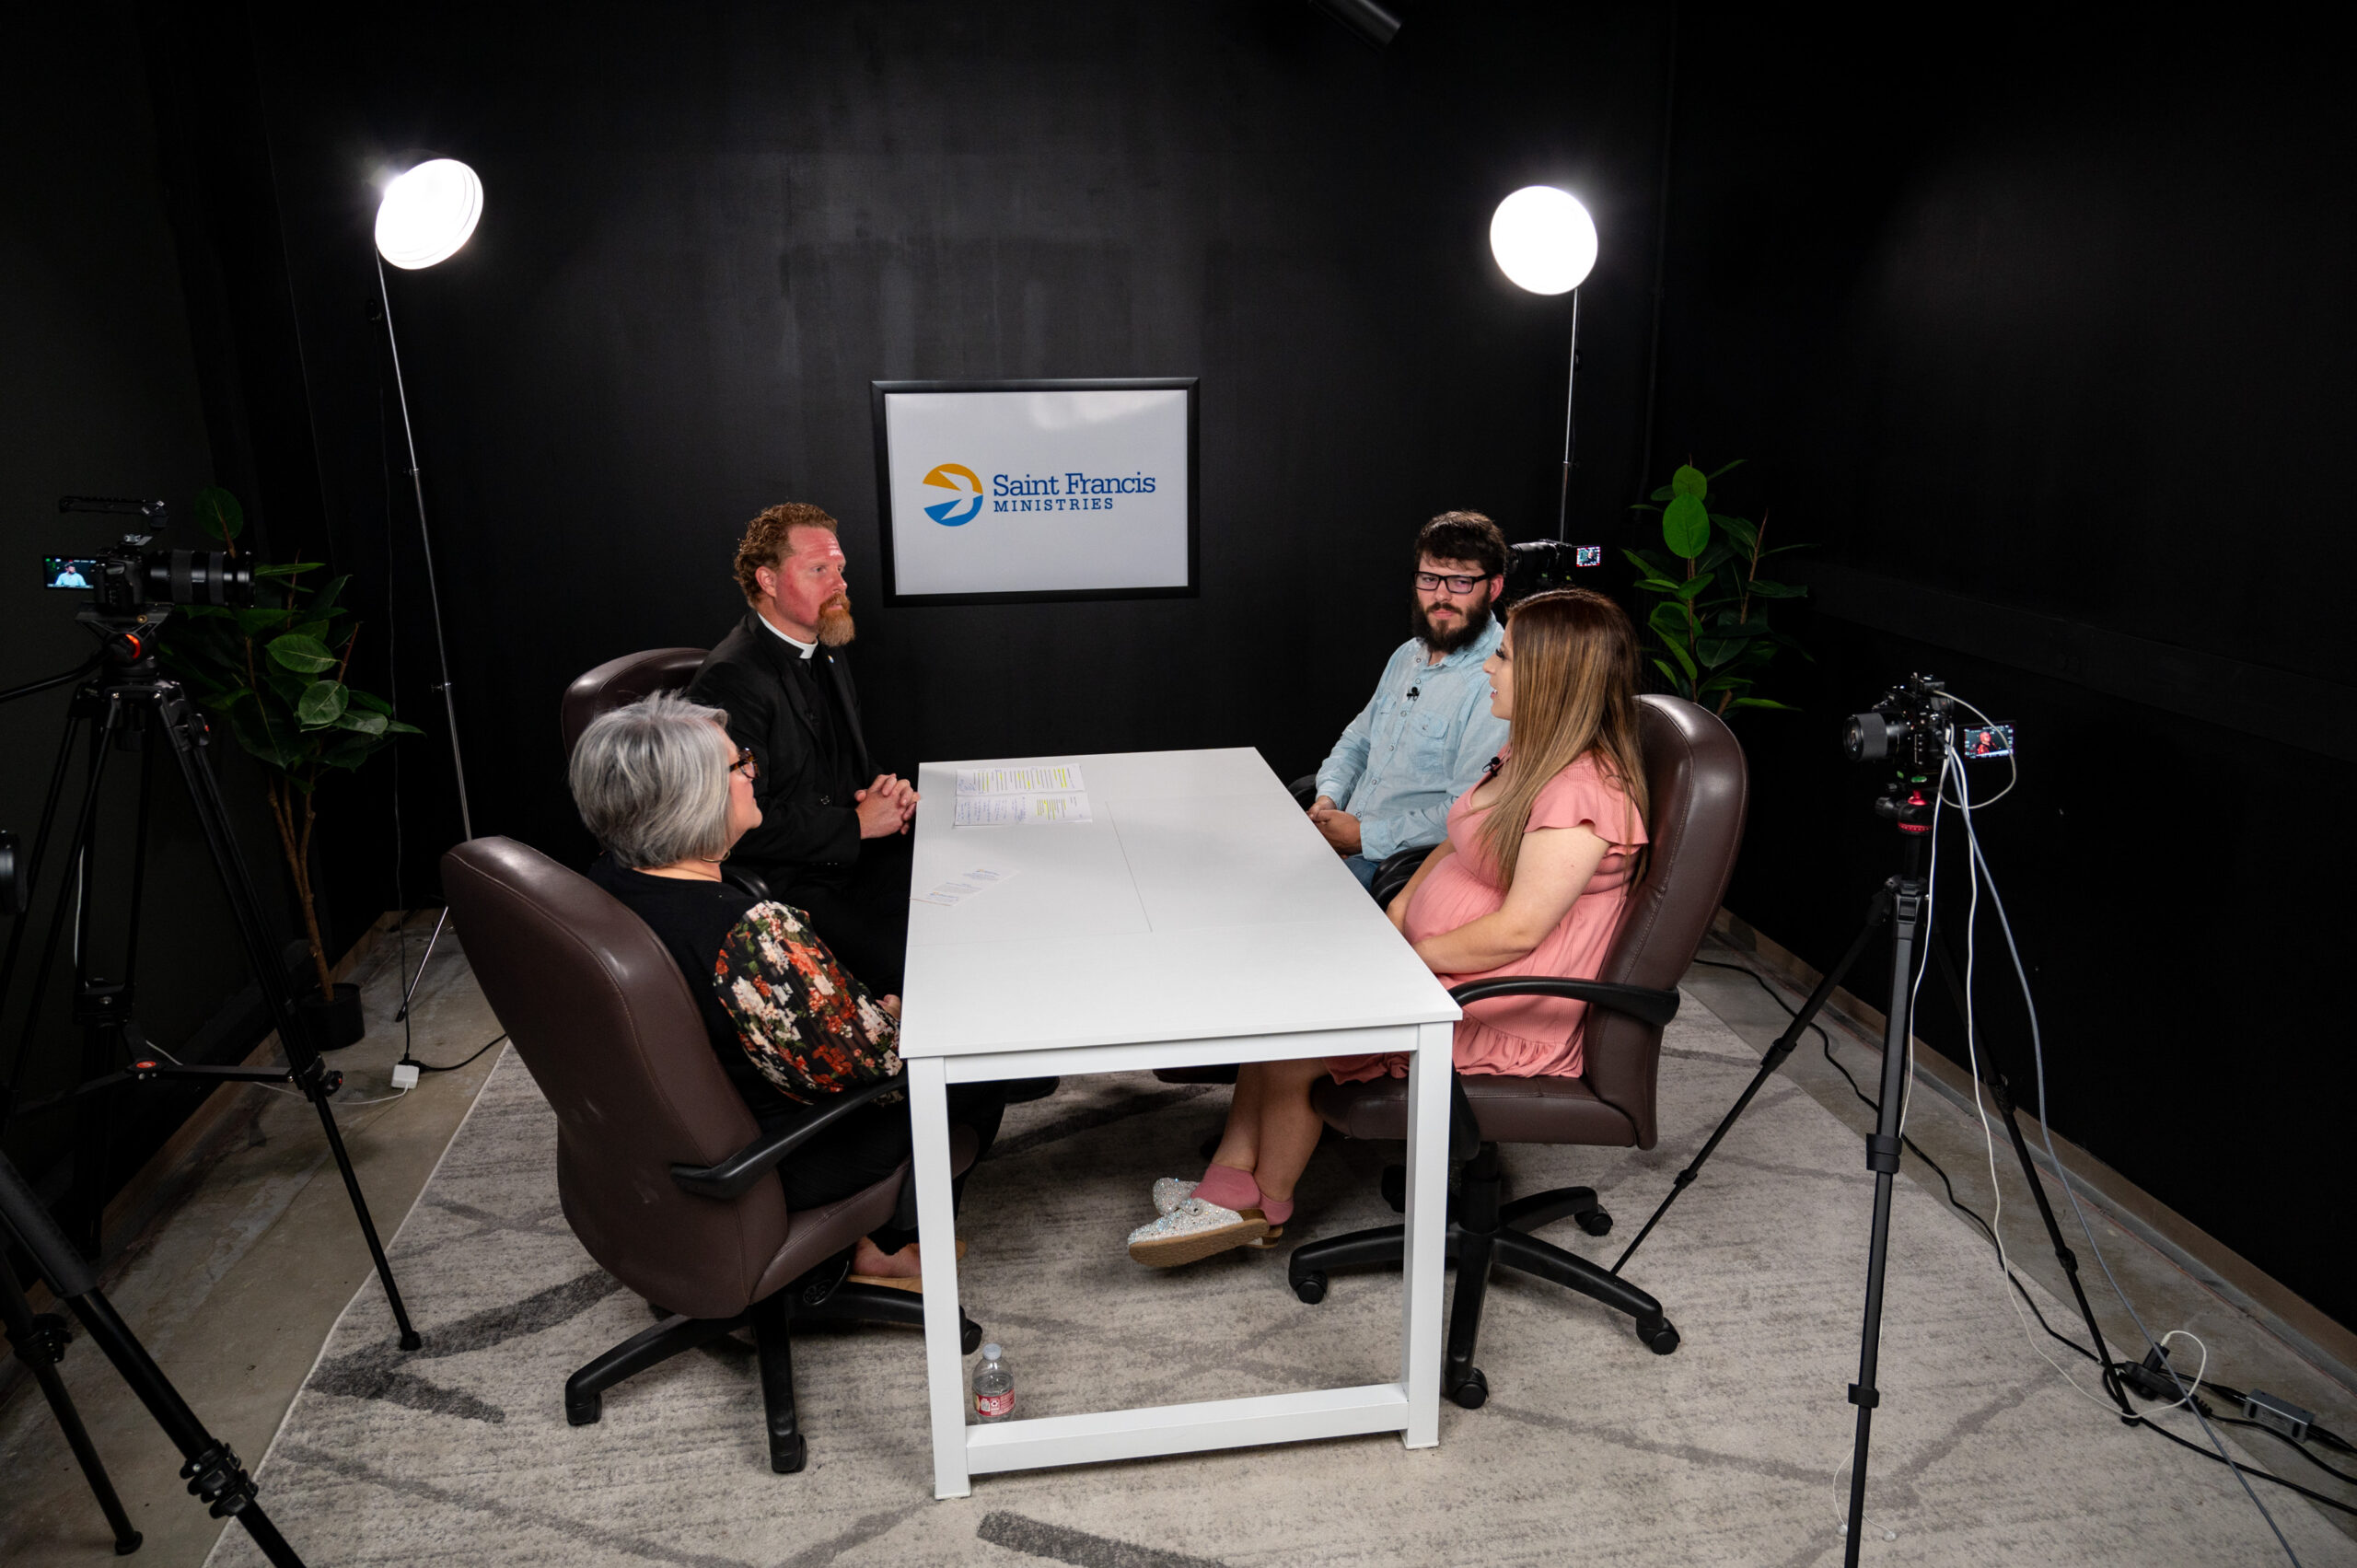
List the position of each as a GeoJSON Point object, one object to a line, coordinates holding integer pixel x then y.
{"type": "Point", "coordinates": [788, 1455]}
{"type": "Point", "coordinates": [1395, 1187]}
{"type": "Point", "coordinates": [1474, 1392]}
{"type": "Point", "coordinates": [1595, 1222]}
{"type": "Point", "coordinates": [585, 1412]}
{"type": "Point", "coordinates": [1661, 1339]}
{"type": "Point", "coordinates": [1311, 1288]}
{"type": "Point", "coordinates": [970, 1335]}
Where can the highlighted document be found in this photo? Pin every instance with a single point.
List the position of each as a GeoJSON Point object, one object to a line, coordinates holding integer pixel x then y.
{"type": "Point", "coordinates": [965, 885]}
{"type": "Point", "coordinates": [1041, 795]}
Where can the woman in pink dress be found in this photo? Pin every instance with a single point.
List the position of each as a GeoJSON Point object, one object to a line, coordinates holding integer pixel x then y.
{"type": "Point", "coordinates": [1532, 879]}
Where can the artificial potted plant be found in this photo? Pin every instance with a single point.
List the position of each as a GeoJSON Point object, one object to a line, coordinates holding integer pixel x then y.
{"type": "Point", "coordinates": [1710, 602]}
{"type": "Point", "coordinates": [274, 674]}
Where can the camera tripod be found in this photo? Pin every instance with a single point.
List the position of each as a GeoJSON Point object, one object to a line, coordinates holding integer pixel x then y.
{"type": "Point", "coordinates": [122, 701]}
{"type": "Point", "coordinates": [1900, 904]}
{"type": "Point", "coordinates": [213, 1475]}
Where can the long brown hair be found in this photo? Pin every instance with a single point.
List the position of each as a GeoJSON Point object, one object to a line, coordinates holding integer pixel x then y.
{"type": "Point", "coordinates": [1574, 692]}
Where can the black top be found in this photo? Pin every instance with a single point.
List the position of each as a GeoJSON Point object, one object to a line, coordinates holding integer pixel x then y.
{"type": "Point", "coordinates": [800, 718]}
{"type": "Point", "coordinates": [693, 918]}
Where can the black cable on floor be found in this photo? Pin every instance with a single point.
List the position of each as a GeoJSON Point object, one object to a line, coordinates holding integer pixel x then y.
{"type": "Point", "coordinates": [429, 1068]}
{"type": "Point", "coordinates": [1790, 1011]}
{"type": "Point", "coordinates": [1966, 1210]}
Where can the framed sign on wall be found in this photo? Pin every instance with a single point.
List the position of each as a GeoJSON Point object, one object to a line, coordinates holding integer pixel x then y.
{"type": "Point", "coordinates": [1006, 492]}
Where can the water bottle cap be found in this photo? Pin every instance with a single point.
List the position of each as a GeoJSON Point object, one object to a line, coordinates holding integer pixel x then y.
{"type": "Point", "coordinates": [991, 1352]}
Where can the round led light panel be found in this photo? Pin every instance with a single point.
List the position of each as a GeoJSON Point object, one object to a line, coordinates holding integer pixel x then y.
{"type": "Point", "coordinates": [428, 212]}
{"type": "Point", "coordinates": [1543, 239]}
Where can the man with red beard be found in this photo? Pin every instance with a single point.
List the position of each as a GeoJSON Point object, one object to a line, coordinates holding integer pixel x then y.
{"type": "Point", "coordinates": [831, 840]}
{"type": "Point", "coordinates": [1426, 734]}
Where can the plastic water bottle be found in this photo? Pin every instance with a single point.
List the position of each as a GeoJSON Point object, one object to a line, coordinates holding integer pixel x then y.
{"type": "Point", "coordinates": [993, 1387]}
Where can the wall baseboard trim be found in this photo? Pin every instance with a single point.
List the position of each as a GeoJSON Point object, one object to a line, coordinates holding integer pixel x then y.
{"type": "Point", "coordinates": [2317, 1337]}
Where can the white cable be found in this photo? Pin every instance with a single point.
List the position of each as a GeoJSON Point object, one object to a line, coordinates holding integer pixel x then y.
{"type": "Point", "coordinates": [2070, 1190]}
{"type": "Point", "coordinates": [1988, 1134]}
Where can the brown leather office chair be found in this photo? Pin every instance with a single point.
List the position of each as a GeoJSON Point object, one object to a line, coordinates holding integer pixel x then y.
{"type": "Point", "coordinates": [618, 682]}
{"type": "Point", "coordinates": [1694, 772]}
{"type": "Point", "coordinates": [663, 1175]}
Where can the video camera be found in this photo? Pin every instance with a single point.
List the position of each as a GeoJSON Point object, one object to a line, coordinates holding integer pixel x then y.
{"type": "Point", "coordinates": [1910, 728]}
{"type": "Point", "coordinates": [131, 584]}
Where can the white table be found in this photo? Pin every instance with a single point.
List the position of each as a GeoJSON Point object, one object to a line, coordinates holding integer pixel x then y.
{"type": "Point", "coordinates": [1197, 919]}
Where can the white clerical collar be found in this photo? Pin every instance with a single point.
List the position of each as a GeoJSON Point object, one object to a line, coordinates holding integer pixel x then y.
{"type": "Point", "coordinates": [807, 648]}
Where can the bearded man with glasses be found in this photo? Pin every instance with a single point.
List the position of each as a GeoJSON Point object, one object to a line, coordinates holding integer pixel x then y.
{"type": "Point", "coordinates": [1424, 737]}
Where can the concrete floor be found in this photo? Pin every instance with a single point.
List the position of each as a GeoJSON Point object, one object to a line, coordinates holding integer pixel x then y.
{"type": "Point", "coordinates": [235, 1292]}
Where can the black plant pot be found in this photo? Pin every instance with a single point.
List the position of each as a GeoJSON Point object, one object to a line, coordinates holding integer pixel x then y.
{"type": "Point", "coordinates": [331, 1025]}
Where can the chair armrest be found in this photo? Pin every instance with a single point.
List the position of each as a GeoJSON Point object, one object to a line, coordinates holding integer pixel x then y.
{"type": "Point", "coordinates": [737, 1173]}
{"type": "Point", "coordinates": [1639, 1001]}
{"type": "Point", "coordinates": [1396, 870]}
{"type": "Point", "coordinates": [750, 880]}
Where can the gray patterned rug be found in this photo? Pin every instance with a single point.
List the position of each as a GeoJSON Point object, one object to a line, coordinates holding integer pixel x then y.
{"type": "Point", "coordinates": [1589, 1448]}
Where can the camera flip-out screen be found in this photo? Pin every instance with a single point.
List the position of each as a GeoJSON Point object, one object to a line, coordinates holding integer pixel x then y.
{"type": "Point", "coordinates": [1987, 740]}
{"type": "Point", "coordinates": [1008, 490]}
{"type": "Point", "coordinates": [68, 572]}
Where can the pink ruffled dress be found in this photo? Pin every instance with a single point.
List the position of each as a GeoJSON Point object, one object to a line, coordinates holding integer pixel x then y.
{"type": "Point", "coordinates": [1525, 1036]}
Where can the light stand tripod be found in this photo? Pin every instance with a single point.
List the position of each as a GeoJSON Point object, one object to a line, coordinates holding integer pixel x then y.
{"type": "Point", "coordinates": [213, 1475]}
{"type": "Point", "coordinates": [1902, 903]}
{"type": "Point", "coordinates": [123, 701]}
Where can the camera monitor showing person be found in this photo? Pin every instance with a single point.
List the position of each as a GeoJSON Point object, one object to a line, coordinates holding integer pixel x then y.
{"type": "Point", "coordinates": [68, 572]}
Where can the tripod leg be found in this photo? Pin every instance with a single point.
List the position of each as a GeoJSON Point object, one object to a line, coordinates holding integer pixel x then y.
{"type": "Point", "coordinates": [1781, 1047]}
{"type": "Point", "coordinates": [186, 733]}
{"type": "Point", "coordinates": [1882, 1157]}
{"type": "Point", "coordinates": [212, 1470]}
{"type": "Point", "coordinates": [2003, 1092]}
{"type": "Point", "coordinates": [38, 1348]}
{"type": "Point", "coordinates": [17, 931]}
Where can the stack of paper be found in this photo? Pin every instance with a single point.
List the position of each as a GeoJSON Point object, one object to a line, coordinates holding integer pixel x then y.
{"type": "Point", "coordinates": [1038, 796]}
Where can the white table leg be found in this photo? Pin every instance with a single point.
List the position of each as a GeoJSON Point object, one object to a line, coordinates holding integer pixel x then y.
{"type": "Point", "coordinates": [945, 1358]}
{"type": "Point", "coordinates": [1429, 1071]}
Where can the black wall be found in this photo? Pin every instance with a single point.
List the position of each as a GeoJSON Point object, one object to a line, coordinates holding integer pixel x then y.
{"type": "Point", "coordinates": [103, 393]}
{"type": "Point", "coordinates": [707, 231]}
{"type": "Point", "coordinates": [2046, 333]}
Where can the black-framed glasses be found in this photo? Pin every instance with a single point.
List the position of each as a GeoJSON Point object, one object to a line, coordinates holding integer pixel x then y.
{"type": "Point", "coordinates": [745, 760]}
{"type": "Point", "coordinates": [1428, 581]}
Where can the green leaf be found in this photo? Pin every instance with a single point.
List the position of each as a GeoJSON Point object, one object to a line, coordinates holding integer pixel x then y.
{"type": "Point", "coordinates": [218, 514]}
{"type": "Point", "coordinates": [322, 704]}
{"type": "Point", "coordinates": [1726, 682]}
{"type": "Point", "coordinates": [1644, 560]}
{"type": "Point", "coordinates": [322, 601]}
{"type": "Point", "coordinates": [365, 723]}
{"type": "Point", "coordinates": [1641, 507]}
{"type": "Point", "coordinates": [1686, 526]}
{"type": "Point", "coordinates": [1715, 651]}
{"type": "Point", "coordinates": [1762, 703]}
{"type": "Point", "coordinates": [1664, 494]}
{"type": "Point", "coordinates": [1684, 660]}
{"type": "Point", "coordinates": [395, 726]}
{"type": "Point", "coordinates": [1767, 589]}
{"type": "Point", "coordinates": [1677, 682]}
{"type": "Point", "coordinates": [372, 702]}
{"type": "Point", "coordinates": [306, 654]}
{"type": "Point", "coordinates": [255, 622]}
{"type": "Point", "coordinates": [1740, 529]}
{"type": "Point", "coordinates": [1668, 619]}
{"type": "Point", "coordinates": [1736, 464]}
{"type": "Point", "coordinates": [288, 569]}
{"type": "Point", "coordinates": [1694, 585]}
{"type": "Point", "coordinates": [1689, 482]}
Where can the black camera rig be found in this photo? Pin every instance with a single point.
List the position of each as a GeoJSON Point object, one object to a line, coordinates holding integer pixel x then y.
{"type": "Point", "coordinates": [133, 588]}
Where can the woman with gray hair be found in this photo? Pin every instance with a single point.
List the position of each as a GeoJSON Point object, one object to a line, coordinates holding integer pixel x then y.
{"type": "Point", "coordinates": [667, 793]}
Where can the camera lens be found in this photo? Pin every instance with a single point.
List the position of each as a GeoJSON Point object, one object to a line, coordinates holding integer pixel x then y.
{"type": "Point", "coordinates": [1867, 737]}
{"type": "Point", "coordinates": [198, 577]}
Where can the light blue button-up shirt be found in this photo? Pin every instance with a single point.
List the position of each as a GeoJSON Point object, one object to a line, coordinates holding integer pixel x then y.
{"type": "Point", "coordinates": [1421, 741]}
